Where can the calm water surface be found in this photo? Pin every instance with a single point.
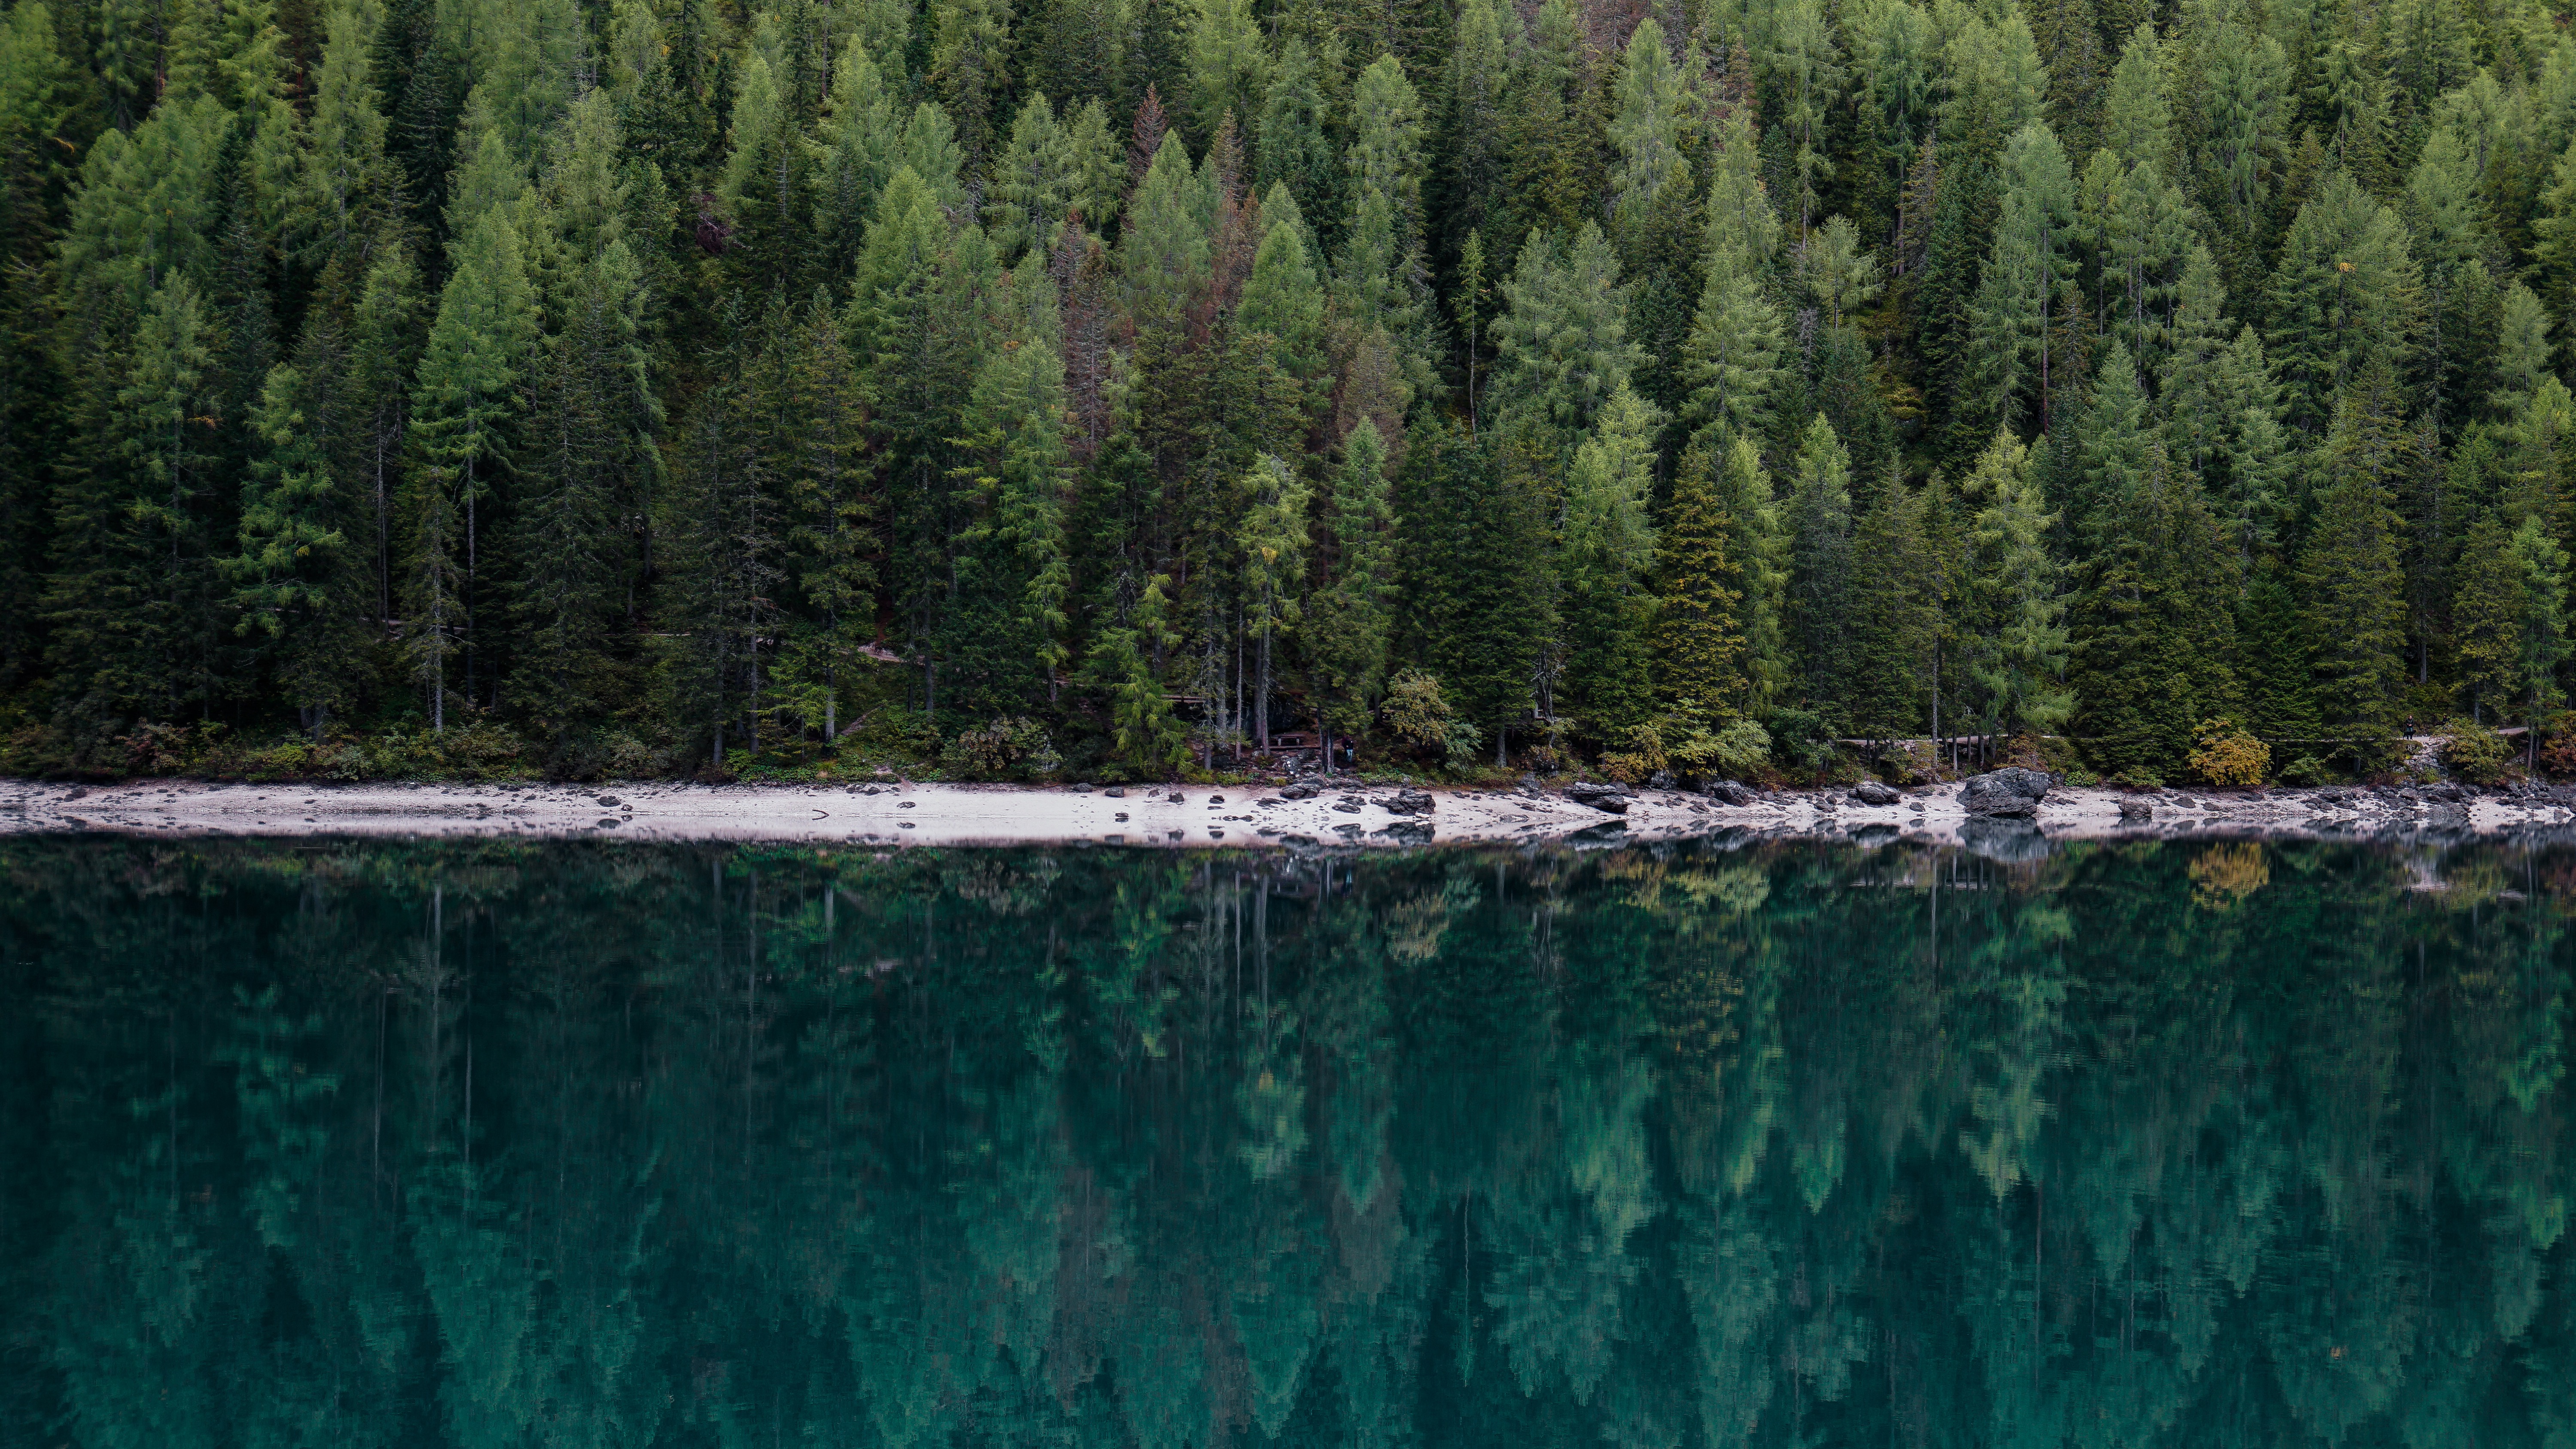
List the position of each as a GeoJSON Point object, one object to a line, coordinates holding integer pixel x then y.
{"type": "Point", "coordinates": [590, 1144]}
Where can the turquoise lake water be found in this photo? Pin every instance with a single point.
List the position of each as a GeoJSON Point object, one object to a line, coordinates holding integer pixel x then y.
{"type": "Point", "coordinates": [605, 1144]}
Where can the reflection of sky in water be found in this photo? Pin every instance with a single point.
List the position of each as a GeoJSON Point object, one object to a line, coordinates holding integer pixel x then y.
{"type": "Point", "coordinates": [483, 1144]}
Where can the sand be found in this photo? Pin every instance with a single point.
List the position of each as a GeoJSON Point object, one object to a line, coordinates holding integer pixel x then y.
{"type": "Point", "coordinates": [902, 813]}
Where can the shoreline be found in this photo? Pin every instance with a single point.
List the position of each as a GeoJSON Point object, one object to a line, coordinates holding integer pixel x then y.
{"type": "Point", "coordinates": [893, 813]}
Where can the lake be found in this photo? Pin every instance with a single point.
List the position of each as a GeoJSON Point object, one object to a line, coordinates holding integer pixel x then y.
{"type": "Point", "coordinates": [1722, 1143]}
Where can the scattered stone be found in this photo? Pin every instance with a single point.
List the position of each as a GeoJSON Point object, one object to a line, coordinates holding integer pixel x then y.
{"type": "Point", "coordinates": [2136, 809]}
{"type": "Point", "coordinates": [1116, 792]}
{"type": "Point", "coordinates": [1732, 792]}
{"type": "Point", "coordinates": [1871, 792]}
{"type": "Point", "coordinates": [2012, 792]}
{"type": "Point", "coordinates": [906, 805]}
{"type": "Point", "coordinates": [608, 800]}
{"type": "Point", "coordinates": [1661, 780]}
{"type": "Point", "coordinates": [1212, 799]}
{"type": "Point", "coordinates": [1300, 791]}
{"type": "Point", "coordinates": [1411, 802]}
{"type": "Point", "coordinates": [1349, 804]}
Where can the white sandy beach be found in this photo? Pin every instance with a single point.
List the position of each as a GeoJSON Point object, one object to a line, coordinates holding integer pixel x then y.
{"type": "Point", "coordinates": [895, 812]}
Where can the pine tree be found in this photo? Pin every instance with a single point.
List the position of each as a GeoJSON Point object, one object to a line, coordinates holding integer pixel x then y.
{"type": "Point", "coordinates": [2012, 348]}
{"type": "Point", "coordinates": [348, 189]}
{"type": "Point", "coordinates": [2137, 122]}
{"type": "Point", "coordinates": [1469, 594]}
{"type": "Point", "coordinates": [2154, 629]}
{"type": "Point", "coordinates": [1817, 517]}
{"type": "Point", "coordinates": [1228, 65]}
{"type": "Point", "coordinates": [133, 621]}
{"type": "Point", "coordinates": [970, 60]}
{"type": "Point", "coordinates": [2349, 578]}
{"type": "Point", "coordinates": [464, 410]}
{"type": "Point", "coordinates": [1385, 153]}
{"type": "Point", "coordinates": [301, 578]}
{"type": "Point", "coordinates": [36, 91]}
{"type": "Point", "coordinates": [1731, 362]}
{"type": "Point", "coordinates": [2522, 352]}
{"type": "Point", "coordinates": [589, 431]}
{"type": "Point", "coordinates": [1283, 299]}
{"type": "Point", "coordinates": [1894, 620]}
{"type": "Point", "coordinates": [1273, 539]}
{"type": "Point", "coordinates": [2016, 639]}
{"type": "Point", "coordinates": [1803, 60]}
{"type": "Point", "coordinates": [832, 507]}
{"type": "Point", "coordinates": [1699, 644]}
{"type": "Point", "coordinates": [859, 149]}
{"type": "Point", "coordinates": [1607, 549]}
{"type": "Point", "coordinates": [1291, 144]}
{"type": "Point", "coordinates": [1757, 546]}
{"type": "Point", "coordinates": [1472, 145]}
{"type": "Point", "coordinates": [1351, 615]}
{"type": "Point", "coordinates": [2113, 441]}
{"type": "Point", "coordinates": [2275, 667]}
{"type": "Point", "coordinates": [2347, 290]}
{"type": "Point", "coordinates": [1563, 342]}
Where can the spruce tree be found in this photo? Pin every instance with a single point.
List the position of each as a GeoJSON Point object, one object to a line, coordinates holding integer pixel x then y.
{"type": "Point", "coordinates": [1474, 605]}
{"type": "Point", "coordinates": [134, 621]}
{"type": "Point", "coordinates": [1817, 517]}
{"type": "Point", "coordinates": [462, 426]}
{"type": "Point", "coordinates": [2347, 290]}
{"type": "Point", "coordinates": [1292, 146]}
{"type": "Point", "coordinates": [2016, 640]}
{"type": "Point", "coordinates": [1757, 546]}
{"type": "Point", "coordinates": [2012, 354]}
{"type": "Point", "coordinates": [2154, 628]}
{"type": "Point", "coordinates": [1273, 538]}
{"type": "Point", "coordinates": [1607, 548]}
{"type": "Point", "coordinates": [1894, 620]}
{"type": "Point", "coordinates": [2349, 578]}
{"type": "Point", "coordinates": [1699, 633]}
{"type": "Point", "coordinates": [1350, 618]}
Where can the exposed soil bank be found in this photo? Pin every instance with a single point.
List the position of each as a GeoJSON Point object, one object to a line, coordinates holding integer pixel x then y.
{"type": "Point", "coordinates": [897, 813]}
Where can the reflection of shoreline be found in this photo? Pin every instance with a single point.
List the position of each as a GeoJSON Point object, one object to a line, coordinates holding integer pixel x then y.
{"type": "Point", "coordinates": [901, 813]}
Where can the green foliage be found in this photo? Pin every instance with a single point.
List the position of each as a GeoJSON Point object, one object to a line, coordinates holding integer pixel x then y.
{"type": "Point", "coordinates": [658, 370]}
{"type": "Point", "coordinates": [2475, 753]}
{"type": "Point", "coordinates": [1010, 748]}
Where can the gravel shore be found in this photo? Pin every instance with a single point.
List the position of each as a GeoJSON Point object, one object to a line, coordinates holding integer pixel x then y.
{"type": "Point", "coordinates": [895, 812]}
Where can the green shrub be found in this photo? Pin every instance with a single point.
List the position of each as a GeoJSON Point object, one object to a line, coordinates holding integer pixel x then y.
{"type": "Point", "coordinates": [2304, 771]}
{"type": "Point", "coordinates": [2475, 753]}
{"type": "Point", "coordinates": [1733, 750]}
{"type": "Point", "coordinates": [1009, 748]}
{"type": "Point", "coordinates": [1802, 740]}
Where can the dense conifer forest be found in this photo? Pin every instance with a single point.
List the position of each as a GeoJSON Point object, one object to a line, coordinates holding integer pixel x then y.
{"type": "Point", "coordinates": [642, 386]}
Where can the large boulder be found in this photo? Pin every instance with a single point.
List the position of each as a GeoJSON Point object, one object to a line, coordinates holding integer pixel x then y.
{"type": "Point", "coordinates": [1600, 797]}
{"type": "Point", "coordinates": [1871, 792]}
{"type": "Point", "coordinates": [1731, 792]}
{"type": "Point", "coordinates": [1411, 802]}
{"type": "Point", "coordinates": [2010, 791]}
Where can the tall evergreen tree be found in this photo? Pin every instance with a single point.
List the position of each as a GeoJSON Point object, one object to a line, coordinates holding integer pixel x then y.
{"type": "Point", "coordinates": [1699, 632]}
{"type": "Point", "coordinates": [2154, 628]}
{"type": "Point", "coordinates": [1817, 517]}
{"type": "Point", "coordinates": [2349, 576]}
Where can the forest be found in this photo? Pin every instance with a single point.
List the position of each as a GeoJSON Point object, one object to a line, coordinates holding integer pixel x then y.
{"type": "Point", "coordinates": [1735, 1145]}
{"type": "Point", "coordinates": [670, 386]}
